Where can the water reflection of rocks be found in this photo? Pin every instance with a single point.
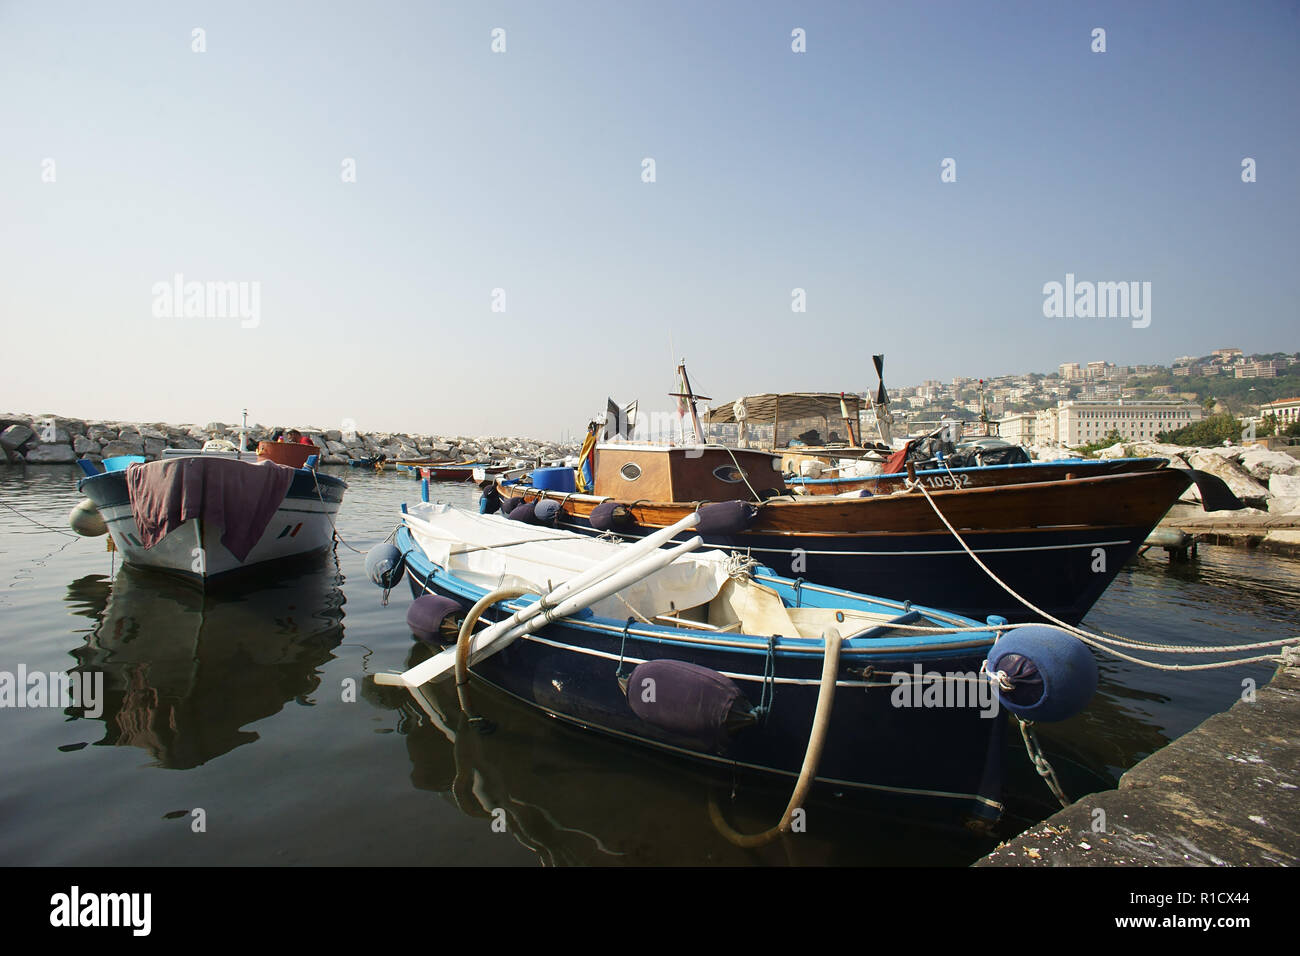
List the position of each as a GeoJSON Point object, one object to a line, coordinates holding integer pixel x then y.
{"type": "Point", "coordinates": [184, 671]}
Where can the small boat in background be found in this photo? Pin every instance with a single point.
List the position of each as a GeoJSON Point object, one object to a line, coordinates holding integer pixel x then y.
{"type": "Point", "coordinates": [206, 514]}
{"type": "Point", "coordinates": [461, 471]}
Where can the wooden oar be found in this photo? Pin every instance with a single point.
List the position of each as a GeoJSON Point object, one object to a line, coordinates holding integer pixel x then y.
{"type": "Point", "coordinates": [530, 619]}
{"type": "Point", "coordinates": [644, 552]}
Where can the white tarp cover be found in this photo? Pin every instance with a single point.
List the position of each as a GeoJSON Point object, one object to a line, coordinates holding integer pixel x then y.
{"type": "Point", "coordinates": [541, 558]}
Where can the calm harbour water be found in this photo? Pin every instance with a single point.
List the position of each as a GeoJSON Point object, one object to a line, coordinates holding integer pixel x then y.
{"type": "Point", "coordinates": [234, 705]}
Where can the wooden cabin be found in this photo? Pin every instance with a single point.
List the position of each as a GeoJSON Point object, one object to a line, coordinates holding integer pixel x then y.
{"type": "Point", "coordinates": [632, 472]}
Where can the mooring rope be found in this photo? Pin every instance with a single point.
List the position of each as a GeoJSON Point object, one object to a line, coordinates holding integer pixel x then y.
{"type": "Point", "coordinates": [35, 522]}
{"type": "Point", "coordinates": [330, 518]}
{"type": "Point", "coordinates": [1111, 641]}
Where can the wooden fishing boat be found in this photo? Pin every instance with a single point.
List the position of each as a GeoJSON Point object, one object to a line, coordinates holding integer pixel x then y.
{"type": "Point", "coordinates": [1050, 547]}
{"type": "Point", "coordinates": [710, 656]}
{"type": "Point", "coordinates": [208, 516]}
{"type": "Point", "coordinates": [1059, 544]}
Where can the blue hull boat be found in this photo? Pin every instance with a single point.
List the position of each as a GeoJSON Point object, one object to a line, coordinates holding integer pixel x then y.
{"type": "Point", "coordinates": [737, 659]}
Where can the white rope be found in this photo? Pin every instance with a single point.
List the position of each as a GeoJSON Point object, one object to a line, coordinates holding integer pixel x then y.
{"type": "Point", "coordinates": [744, 477]}
{"type": "Point", "coordinates": [1102, 643]}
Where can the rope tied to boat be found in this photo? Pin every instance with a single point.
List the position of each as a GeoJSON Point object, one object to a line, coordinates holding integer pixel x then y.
{"type": "Point", "coordinates": [35, 522]}
{"type": "Point", "coordinates": [622, 650]}
{"type": "Point", "coordinates": [740, 566]}
{"type": "Point", "coordinates": [1110, 642]}
{"type": "Point", "coordinates": [767, 696]}
{"type": "Point", "coordinates": [744, 477]}
{"type": "Point", "coordinates": [999, 678]}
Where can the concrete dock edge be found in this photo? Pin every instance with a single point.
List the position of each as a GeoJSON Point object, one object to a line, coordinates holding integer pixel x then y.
{"type": "Point", "coordinates": [1224, 794]}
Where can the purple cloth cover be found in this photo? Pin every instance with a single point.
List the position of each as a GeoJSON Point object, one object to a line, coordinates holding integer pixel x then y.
{"type": "Point", "coordinates": [238, 495]}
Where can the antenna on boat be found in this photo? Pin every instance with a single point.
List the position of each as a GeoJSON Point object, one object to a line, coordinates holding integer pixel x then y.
{"type": "Point", "coordinates": [239, 452]}
{"type": "Point", "coordinates": [686, 399]}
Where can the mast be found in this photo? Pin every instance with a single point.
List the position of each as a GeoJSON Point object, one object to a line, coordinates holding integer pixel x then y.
{"type": "Point", "coordinates": [690, 398]}
{"type": "Point", "coordinates": [848, 421]}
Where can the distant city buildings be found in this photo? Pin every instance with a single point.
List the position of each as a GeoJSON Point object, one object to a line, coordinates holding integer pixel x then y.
{"type": "Point", "coordinates": [1085, 422]}
{"type": "Point", "coordinates": [1269, 369]}
{"type": "Point", "coordinates": [1285, 410]}
{"type": "Point", "coordinates": [1091, 399]}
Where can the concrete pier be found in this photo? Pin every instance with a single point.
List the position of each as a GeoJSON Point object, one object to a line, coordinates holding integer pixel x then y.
{"type": "Point", "coordinates": [1224, 794]}
{"type": "Point", "coordinates": [1274, 533]}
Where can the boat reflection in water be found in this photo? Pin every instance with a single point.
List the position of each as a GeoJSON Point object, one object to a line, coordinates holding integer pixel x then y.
{"type": "Point", "coordinates": [577, 798]}
{"type": "Point", "coordinates": [184, 671]}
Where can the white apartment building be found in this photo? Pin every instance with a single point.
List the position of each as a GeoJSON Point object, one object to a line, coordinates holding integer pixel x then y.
{"type": "Point", "coordinates": [1047, 427]}
{"type": "Point", "coordinates": [1071, 372]}
{"type": "Point", "coordinates": [1285, 410]}
{"type": "Point", "coordinates": [1019, 429]}
{"type": "Point", "coordinates": [1084, 422]}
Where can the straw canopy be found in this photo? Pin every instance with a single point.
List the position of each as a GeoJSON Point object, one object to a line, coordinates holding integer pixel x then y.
{"type": "Point", "coordinates": [788, 406]}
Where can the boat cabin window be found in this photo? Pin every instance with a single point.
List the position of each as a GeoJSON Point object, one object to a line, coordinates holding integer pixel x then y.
{"type": "Point", "coordinates": [631, 471]}
{"type": "Point", "coordinates": [728, 473]}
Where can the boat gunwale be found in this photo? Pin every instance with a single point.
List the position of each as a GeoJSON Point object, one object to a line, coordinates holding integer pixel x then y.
{"type": "Point", "coordinates": [825, 501]}
{"type": "Point", "coordinates": [792, 647]}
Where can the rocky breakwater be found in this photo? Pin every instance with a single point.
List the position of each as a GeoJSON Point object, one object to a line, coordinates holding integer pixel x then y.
{"type": "Point", "coordinates": [53, 439]}
{"type": "Point", "coordinates": [1266, 480]}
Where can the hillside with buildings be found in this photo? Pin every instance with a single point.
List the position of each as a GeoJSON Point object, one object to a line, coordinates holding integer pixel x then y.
{"type": "Point", "coordinates": [1079, 404]}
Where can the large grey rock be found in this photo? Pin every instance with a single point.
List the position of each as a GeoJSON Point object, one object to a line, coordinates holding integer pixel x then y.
{"type": "Point", "coordinates": [85, 446]}
{"type": "Point", "coordinates": [51, 455]}
{"type": "Point", "coordinates": [149, 431]}
{"type": "Point", "coordinates": [153, 446]}
{"type": "Point", "coordinates": [13, 437]}
{"type": "Point", "coordinates": [100, 432]}
{"type": "Point", "coordinates": [1263, 463]}
{"type": "Point", "coordinates": [123, 447]}
{"type": "Point", "coordinates": [335, 447]}
{"type": "Point", "coordinates": [71, 426]}
{"type": "Point", "coordinates": [49, 432]}
{"type": "Point", "coordinates": [216, 427]}
{"type": "Point", "coordinates": [333, 435]}
{"type": "Point", "coordinates": [1284, 486]}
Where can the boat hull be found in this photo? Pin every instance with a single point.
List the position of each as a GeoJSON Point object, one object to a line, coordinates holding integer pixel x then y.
{"type": "Point", "coordinates": [1058, 544]}
{"type": "Point", "coordinates": [569, 670]}
{"type": "Point", "coordinates": [301, 526]}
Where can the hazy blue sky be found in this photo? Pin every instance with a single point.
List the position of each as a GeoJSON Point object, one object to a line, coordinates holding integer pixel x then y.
{"type": "Point", "coordinates": [522, 171]}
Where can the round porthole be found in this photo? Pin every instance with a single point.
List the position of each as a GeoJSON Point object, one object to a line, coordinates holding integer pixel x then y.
{"type": "Point", "coordinates": [728, 473]}
{"type": "Point", "coordinates": [631, 471]}
{"type": "Point", "coordinates": [839, 617]}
